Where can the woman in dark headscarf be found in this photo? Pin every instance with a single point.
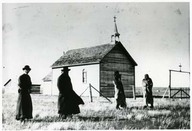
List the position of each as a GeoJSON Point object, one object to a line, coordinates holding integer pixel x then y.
{"type": "Point", "coordinates": [119, 91]}
{"type": "Point", "coordinates": [24, 102]}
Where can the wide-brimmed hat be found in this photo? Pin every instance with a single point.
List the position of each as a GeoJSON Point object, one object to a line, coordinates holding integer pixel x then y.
{"type": "Point", "coordinates": [26, 68]}
{"type": "Point", "coordinates": [65, 69]}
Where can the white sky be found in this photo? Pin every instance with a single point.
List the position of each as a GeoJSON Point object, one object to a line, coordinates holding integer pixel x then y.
{"type": "Point", "coordinates": [155, 34]}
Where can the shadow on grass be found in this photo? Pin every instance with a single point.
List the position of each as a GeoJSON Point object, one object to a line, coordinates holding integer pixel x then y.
{"type": "Point", "coordinates": [74, 119]}
{"type": "Point", "coordinates": [95, 119]}
{"type": "Point", "coordinates": [173, 108]}
{"type": "Point", "coordinates": [47, 119]}
{"type": "Point", "coordinates": [163, 107]}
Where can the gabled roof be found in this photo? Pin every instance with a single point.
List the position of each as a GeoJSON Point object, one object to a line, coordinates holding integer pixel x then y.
{"type": "Point", "coordinates": [89, 55]}
{"type": "Point", "coordinates": [48, 77]}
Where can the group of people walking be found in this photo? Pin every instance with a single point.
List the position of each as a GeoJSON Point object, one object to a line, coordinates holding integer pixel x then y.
{"type": "Point", "coordinates": [68, 100]}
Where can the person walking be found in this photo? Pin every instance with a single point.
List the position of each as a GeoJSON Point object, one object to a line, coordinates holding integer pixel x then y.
{"type": "Point", "coordinates": [68, 100]}
{"type": "Point", "coordinates": [147, 91]}
{"type": "Point", "coordinates": [119, 91]}
{"type": "Point", "coordinates": [24, 103]}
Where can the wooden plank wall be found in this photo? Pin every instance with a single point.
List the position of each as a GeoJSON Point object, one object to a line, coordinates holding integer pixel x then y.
{"type": "Point", "coordinates": [116, 60]}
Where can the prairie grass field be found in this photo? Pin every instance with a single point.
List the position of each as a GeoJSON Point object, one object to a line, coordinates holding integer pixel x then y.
{"type": "Point", "coordinates": [99, 114]}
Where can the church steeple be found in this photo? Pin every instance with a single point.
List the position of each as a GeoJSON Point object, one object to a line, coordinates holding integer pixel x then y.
{"type": "Point", "coordinates": [115, 36]}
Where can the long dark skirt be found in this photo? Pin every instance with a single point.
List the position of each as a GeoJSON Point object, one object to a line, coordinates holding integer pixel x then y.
{"type": "Point", "coordinates": [67, 106]}
{"type": "Point", "coordinates": [24, 106]}
{"type": "Point", "coordinates": [121, 100]}
{"type": "Point", "coordinates": [149, 98]}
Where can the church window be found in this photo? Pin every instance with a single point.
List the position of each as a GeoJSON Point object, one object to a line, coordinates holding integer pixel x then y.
{"type": "Point", "coordinates": [84, 76]}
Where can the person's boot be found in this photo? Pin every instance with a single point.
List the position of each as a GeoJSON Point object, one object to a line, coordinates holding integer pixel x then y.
{"type": "Point", "coordinates": [144, 107]}
{"type": "Point", "coordinates": [117, 107]}
{"type": "Point", "coordinates": [22, 121]}
{"type": "Point", "coordinates": [151, 107]}
{"type": "Point", "coordinates": [62, 116]}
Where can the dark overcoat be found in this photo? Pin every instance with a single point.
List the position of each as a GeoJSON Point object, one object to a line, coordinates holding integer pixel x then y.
{"type": "Point", "coordinates": [24, 103]}
{"type": "Point", "coordinates": [120, 95]}
{"type": "Point", "coordinates": [148, 94]}
{"type": "Point", "coordinates": [68, 100]}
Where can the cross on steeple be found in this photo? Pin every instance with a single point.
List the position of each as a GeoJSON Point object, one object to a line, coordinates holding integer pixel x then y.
{"type": "Point", "coordinates": [114, 18]}
{"type": "Point", "coordinates": [115, 36]}
{"type": "Point", "coordinates": [180, 66]}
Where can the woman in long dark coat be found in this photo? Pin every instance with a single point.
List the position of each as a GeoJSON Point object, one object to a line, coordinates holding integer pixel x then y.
{"type": "Point", "coordinates": [147, 91]}
{"type": "Point", "coordinates": [24, 102]}
{"type": "Point", "coordinates": [68, 100]}
{"type": "Point", "coordinates": [119, 91]}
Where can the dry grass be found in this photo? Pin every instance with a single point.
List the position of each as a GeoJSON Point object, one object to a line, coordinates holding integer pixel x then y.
{"type": "Point", "coordinates": [99, 115]}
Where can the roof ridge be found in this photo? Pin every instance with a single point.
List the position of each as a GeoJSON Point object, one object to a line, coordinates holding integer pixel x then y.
{"type": "Point", "coordinates": [85, 55]}
{"type": "Point", "coordinates": [88, 47]}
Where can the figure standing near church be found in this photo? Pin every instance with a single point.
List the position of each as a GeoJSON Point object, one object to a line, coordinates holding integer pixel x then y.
{"type": "Point", "coordinates": [24, 103]}
{"type": "Point", "coordinates": [119, 91]}
{"type": "Point", "coordinates": [147, 91]}
{"type": "Point", "coordinates": [68, 100]}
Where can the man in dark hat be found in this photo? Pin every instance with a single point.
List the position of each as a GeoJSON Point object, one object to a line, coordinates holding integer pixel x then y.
{"type": "Point", "coordinates": [24, 102]}
{"type": "Point", "coordinates": [147, 91]}
{"type": "Point", "coordinates": [68, 100]}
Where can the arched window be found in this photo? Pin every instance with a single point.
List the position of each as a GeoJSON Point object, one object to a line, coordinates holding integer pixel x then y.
{"type": "Point", "coordinates": [84, 76]}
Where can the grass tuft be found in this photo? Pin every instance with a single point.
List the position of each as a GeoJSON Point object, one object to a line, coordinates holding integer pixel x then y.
{"type": "Point", "coordinates": [99, 115]}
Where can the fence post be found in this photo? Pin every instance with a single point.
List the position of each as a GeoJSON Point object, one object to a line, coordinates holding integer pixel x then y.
{"type": "Point", "coordinates": [99, 92]}
{"type": "Point", "coordinates": [90, 93]}
{"type": "Point", "coordinates": [133, 88]}
{"type": "Point", "coordinates": [169, 83]}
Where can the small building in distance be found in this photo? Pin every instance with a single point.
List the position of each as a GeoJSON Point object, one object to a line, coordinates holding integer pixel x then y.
{"type": "Point", "coordinates": [46, 85]}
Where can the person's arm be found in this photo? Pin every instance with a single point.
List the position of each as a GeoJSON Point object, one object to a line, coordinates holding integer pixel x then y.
{"type": "Point", "coordinates": [30, 84]}
{"type": "Point", "coordinates": [151, 83]}
{"type": "Point", "coordinates": [144, 84]}
{"type": "Point", "coordinates": [116, 90]}
{"type": "Point", "coordinates": [59, 84]}
{"type": "Point", "coordinates": [144, 87]}
{"type": "Point", "coordinates": [19, 84]}
{"type": "Point", "coordinates": [114, 83]}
